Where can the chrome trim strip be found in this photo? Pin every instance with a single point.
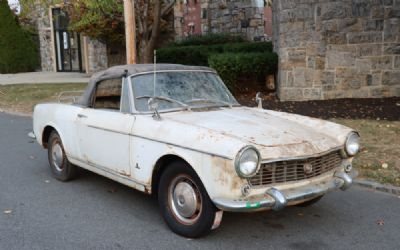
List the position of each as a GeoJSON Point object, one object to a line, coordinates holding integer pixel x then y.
{"type": "Point", "coordinates": [177, 70]}
{"type": "Point", "coordinates": [105, 169]}
{"type": "Point", "coordinates": [301, 157]}
{"type": "Point", "coordinates": [108, 130]}
{"type": "Point", "coordinates": [330, 172]}
{"type": "Point", "coordinates": [179, 146]}
{"type": "Point", "coordinates": [168, 143]}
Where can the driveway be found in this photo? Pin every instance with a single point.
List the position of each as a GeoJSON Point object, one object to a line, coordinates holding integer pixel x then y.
{"type": "Point", "coordinates": [43, 77]}
{"type": "Point", "coordinates": [91, 212]}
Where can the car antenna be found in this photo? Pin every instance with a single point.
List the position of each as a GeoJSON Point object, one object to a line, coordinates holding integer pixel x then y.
{"type": "Point", "coordinates": [155, 72]}
{"type": "Point", "coordinates": [156, 115]}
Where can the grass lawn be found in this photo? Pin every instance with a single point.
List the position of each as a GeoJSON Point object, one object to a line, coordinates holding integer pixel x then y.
{"type": "Point", "coordinates": [21, 98]}
{"type": "Point", "coordinates": [379, 159]}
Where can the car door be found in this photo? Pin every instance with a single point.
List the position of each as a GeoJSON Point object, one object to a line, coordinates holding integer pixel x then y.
{"type": "Point", "coordinates": [104, 128]}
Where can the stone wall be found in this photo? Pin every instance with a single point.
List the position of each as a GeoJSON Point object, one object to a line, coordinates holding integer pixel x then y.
{"type": "Point", "coordinates": [44, 34]}
{"type": "Point", "coordinates": [97, 56]}
{"type": "Point", "coordinates": [337, 49]}
{"type": "Point", "coordinates": [227, 16]}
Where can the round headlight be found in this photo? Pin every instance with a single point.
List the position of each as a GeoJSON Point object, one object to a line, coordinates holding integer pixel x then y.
{"type": "Point", "coordinates": [247, 162]}
{"type": "Point", "coordinates": [352, 144]}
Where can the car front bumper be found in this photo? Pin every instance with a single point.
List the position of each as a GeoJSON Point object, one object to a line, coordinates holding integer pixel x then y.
{"type": "Point", "coordinates": [276, 199]}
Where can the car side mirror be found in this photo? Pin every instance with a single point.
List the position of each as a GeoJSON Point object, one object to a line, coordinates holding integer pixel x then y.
{"type": "Point", "coordinates": [259, 100]}
{"type": "Point", "coordinates": [153, 106]}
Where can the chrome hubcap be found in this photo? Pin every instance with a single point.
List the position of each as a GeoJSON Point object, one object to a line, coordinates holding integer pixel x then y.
{"type": "Point", "coordinates": [185, 200]}
{"type": "Point", "coordinates": [57, 156]}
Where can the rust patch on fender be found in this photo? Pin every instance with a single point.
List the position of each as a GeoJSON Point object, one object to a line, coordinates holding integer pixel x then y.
{"type": "Point", "coordinates": [225, 174]}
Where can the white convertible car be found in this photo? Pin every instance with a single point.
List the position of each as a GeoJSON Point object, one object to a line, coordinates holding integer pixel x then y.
{"type": "Point", "coordinates": [179, 133]}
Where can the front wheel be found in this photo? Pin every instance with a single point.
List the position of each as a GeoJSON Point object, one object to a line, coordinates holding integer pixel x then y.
{"type": "Point", "coordinates": [184, 202]}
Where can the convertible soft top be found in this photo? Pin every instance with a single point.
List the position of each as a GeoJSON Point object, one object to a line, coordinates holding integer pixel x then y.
{"type": "Point", "coordinates": [131, 69]}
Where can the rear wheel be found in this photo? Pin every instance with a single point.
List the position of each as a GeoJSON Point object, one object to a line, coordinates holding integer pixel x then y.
{"type": "Point", "coordinates": [184, 202]}
{"type": "Point", "coordinates": [61, 168]}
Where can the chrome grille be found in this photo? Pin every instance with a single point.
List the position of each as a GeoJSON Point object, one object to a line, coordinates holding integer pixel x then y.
{"type": "Point", "coordinates": [293, 170]}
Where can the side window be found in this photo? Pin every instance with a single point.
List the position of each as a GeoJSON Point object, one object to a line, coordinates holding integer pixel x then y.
{"type": "Point", "coordinates": [108, 94]}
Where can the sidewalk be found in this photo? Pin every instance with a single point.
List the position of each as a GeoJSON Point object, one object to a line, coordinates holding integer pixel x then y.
{"type": "Point", "coordinates": [43, 77]}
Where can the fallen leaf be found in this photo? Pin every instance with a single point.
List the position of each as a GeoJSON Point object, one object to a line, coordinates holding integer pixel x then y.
{"type": "Point", "coordinates": [7, 211]}
{"type": "Point", "coordinates": [380, 222]}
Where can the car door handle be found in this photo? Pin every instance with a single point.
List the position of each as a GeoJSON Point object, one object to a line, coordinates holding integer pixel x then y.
{"type": "Point", "coordinates": [82, 116]}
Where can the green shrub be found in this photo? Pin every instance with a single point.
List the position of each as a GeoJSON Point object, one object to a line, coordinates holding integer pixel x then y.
{"type": "Point", "coordinates": [188, 55]}
{"type": "Point", "coordinates": [18, 52]}
{"type": "Point", "coordinates": [209, 39]}
{"type": "Point", "coordinates": [199, 55]}
{"type": "Point", "coordinates": [231, 66]}
{"type": "Point", "coordinates": [248, 47]}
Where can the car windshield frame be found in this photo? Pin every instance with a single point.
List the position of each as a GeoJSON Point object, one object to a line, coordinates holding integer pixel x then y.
{"type": "Point", "coordinates": [217, 104]}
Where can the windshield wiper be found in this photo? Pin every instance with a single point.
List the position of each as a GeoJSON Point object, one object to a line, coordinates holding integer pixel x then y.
{"type": "Point", "coordinates": [163, 98]}
{"type": "Point", "coordinates": [213, 101]}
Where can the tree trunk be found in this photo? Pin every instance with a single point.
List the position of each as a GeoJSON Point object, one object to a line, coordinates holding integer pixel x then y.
{"type": "Point", "coordinates": [147, 42]}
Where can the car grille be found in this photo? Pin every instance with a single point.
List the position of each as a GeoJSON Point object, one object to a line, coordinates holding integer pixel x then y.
{"type": "Point", "coordinates": [293, 170]}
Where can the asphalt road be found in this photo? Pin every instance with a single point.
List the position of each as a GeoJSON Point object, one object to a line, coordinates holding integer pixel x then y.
{"type": "Point", "coordinates": [92, 212]}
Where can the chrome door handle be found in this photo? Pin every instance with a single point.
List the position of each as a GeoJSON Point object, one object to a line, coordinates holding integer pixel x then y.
{"type": "Point", "coordinates": [82, 116]}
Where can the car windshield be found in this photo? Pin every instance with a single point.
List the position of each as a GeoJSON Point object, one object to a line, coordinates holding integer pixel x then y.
{"type": "Point", "coordinates": [181, 89]}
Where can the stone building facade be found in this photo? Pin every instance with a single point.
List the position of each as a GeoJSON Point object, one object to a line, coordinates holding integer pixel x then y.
{"type": "Point", "coordinates": [92, 53]}
{"type": "Point", "coordinates": [337, 48]}
{"type": "Point", "coordinates": [246, 17]}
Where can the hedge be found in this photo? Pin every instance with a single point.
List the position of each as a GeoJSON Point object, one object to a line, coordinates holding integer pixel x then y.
{"type": "Point", "coordinates": [231, 66]}
{"type": "Point", "coordinates": [209, 39]}
{"type": "Point", "coordinates": [188, 55]}
{"type": "Point", "coordinates": [18, 52]}
{"type": "Point", "coordinates": [199, 55]}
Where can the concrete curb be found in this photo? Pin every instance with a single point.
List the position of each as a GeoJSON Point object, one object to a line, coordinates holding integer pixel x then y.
{"type": "Point", "coordinates": [377, 186]}
{"type": "Point", "coordinates": [16, 113]}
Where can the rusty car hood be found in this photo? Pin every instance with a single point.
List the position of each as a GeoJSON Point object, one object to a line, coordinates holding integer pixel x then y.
{"type": "Point", "coordinates": [275, 134]}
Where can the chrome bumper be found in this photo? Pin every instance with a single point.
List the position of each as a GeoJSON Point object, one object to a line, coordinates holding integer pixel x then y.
{"type": "Point", "coordinates": [277, 199]}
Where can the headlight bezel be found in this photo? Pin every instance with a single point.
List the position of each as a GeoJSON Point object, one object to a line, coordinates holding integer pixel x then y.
{"type": "Point", "coordinates": [238, 159]}
{"type": "Point", "coordinates": [349, 136]}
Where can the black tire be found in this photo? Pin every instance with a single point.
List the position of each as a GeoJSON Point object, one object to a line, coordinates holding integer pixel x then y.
{"type": "Point", "coordinates": [310, 202]}
{"type": "Point", "coordinates": [63, 170]}
{"type": "Point", "coordinates": [201, 222]}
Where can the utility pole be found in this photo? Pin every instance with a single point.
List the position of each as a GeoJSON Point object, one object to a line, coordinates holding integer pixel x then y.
{"type": "Point", "coordinates": [130, 31]}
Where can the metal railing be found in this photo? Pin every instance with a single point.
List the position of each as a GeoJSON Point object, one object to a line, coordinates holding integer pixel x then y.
{"type": "Point", "coordinates": [69, 96]}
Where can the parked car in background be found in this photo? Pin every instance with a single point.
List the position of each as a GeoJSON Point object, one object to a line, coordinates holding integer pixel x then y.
{"type": "Point", "coordinates": [178, 132]}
